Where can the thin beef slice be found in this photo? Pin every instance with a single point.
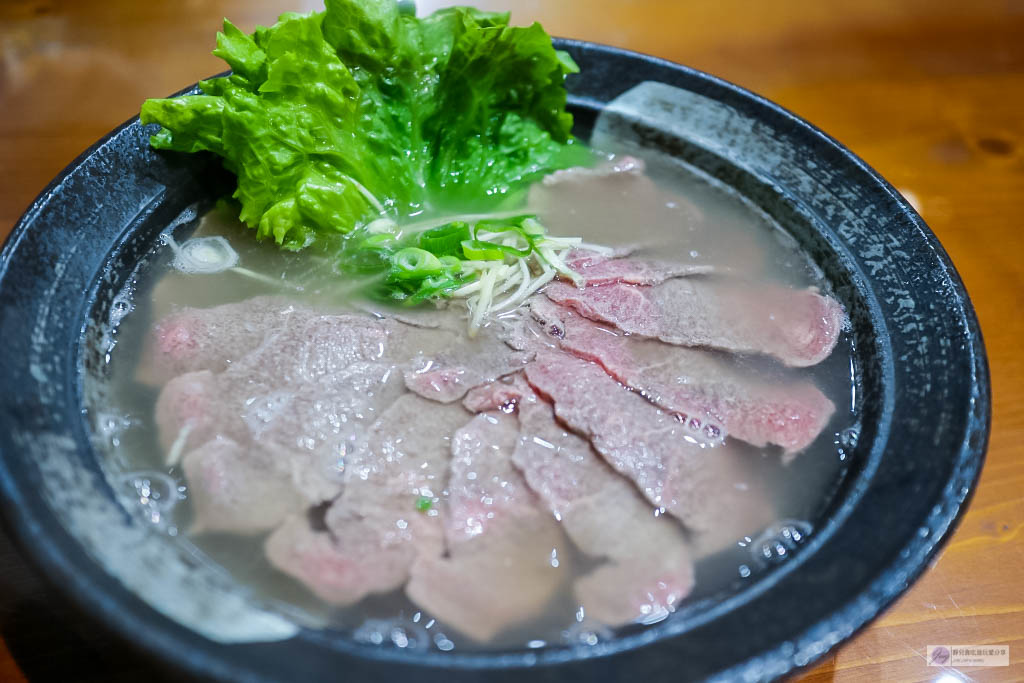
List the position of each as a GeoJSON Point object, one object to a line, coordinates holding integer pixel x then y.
{"type": "Point", "coordinates": [233, 492]}
{"type": "Point", "coordinates": [647, 568]}
{"type": "Point", "coordinates": [799, 327]}
{"type": "Point", "coordinates": [503, 559]}
{"type": "Point", "coordinates": [195, 339]}
{"type": "Point", "coordinates": [710, 396]}
{"type": "Point", "coordinates": [374, 529]}
{"type": "Point", "coordinates": [446, 376]}
{"type": "Point", "coordinates": [700, 485]}
{"type": "Point", "coordinates": [298, 402]}
{"type": "Point", "coordinates": [596, 269]}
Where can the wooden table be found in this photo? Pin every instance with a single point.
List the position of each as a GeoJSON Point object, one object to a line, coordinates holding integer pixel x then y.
{"type": "Point", "coordinates": [930, 93]}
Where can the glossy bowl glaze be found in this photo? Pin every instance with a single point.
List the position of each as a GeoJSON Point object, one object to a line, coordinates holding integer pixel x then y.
{"type": "Point", "coordinates": [922, 378]}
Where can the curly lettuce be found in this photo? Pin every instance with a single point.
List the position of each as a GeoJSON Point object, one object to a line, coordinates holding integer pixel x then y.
{"type": "Point", "coordinates": [333, 119]}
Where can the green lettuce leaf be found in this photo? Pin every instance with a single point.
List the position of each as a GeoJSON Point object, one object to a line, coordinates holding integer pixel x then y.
{"type": "Point", "coordinates": [333, 119]}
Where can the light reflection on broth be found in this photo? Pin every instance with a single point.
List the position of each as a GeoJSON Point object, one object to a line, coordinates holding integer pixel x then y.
{"type": "Point", "coordinates": [680, 219]}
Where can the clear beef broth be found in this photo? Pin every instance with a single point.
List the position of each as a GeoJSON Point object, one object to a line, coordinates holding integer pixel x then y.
{"type": "Point", "coordinates": [685, 219]}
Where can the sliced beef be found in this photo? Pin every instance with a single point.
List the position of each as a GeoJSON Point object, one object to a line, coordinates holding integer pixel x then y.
{"type": "Point", "coordinates": [745, 514]}
{"type": "Point", "coordinates": [190, 411]}
{"type": "Point", "coordinates": [596, 269]}
{"type": "Point", "coordinates": [445, 363]}
{"type": "Point", "coordinates": [300, 401]}
{"type": "Point", "coordinates": [442, 363]}
{"type": "Point", "coordinates": [648, 568]}
{"type": "Point", "coordinates": [340, 575]}
{"type": "Point", "coordinates": [696, 484]}
{"type": "Point", "coordinates": [450, 318]}
{"type": "Point", "coordinates": [407, 458]}
{"type": "Point", "coordinates": [799, 327]}
{"type": "Point", "coordinates": [525, 332]}
{"type": "Point", "coordinates": [484, 486]}
{"type": "Point", "coordinates": [464, 363]}
{"type": "Point", "coordinates": [709, 395]}
{"type": "Point", "coordinates": [316, 348]}
{"type": "Point", "coordinates": [501, 396]}
{"type": "Point", "coordinates": [210, 338]}
{"type": "Point", "coordinates": [502, 567]}
{"type": "Point", "coordinates": [304, 393]}
{"type": "Point", "coordinates": [374, 529]}
{"type": "Point", "coordinates": [233, 492]}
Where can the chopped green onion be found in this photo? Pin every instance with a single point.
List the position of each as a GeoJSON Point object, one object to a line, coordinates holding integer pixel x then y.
{"type": "Point", "coordinates": [414, 263]}
{"type": "Point", "coordinates": [478, 250]}
{"type": "Point", "coordinates": [496, 232]}
{"type": "Point", "coordinates": [445, 240]}
{"type": "Point", "coordinates": [424, 503]}
{"type": "Point", "coordinates": [493, 263]}
{"type": "Point", "coordinates": [204, 255]}
{"type": "Point", "coordinates": [420, 226]}
{"type": "Point", "coordinates": [433, 288]}
{"type": "Point", "coordinates": [497, 224]}
{"type": "Point", "coordinates": [379, 239]}
{"type": "Point", "coordinates": [451, 262]}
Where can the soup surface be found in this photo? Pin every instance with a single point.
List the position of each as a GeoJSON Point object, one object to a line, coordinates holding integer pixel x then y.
{"type": "Point", "coordinates": [608, 452]}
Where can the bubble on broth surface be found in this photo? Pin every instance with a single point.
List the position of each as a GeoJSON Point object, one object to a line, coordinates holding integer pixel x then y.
{"type": "Point", "coordinates": [154, 493]}
{"type": "Point", "coordinates": [777, 542]}
{"type": "Point", "coordinates": [403, 634]}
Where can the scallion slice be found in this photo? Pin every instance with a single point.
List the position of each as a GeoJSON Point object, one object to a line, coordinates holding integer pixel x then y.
{"type": "Point", "coordinates": [413, 263]}
{"type": "Point", "coordinates": [479, 250]}
{"type": "Point", "coordinates": [445, 240]}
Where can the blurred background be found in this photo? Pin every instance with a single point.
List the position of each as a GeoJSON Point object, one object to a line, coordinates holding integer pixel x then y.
{"type": "Point", "coordinates": [929, 92]}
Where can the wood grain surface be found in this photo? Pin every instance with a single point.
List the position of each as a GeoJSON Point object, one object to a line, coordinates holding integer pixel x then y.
{"type": "Point", "coordinates": [929, 92]}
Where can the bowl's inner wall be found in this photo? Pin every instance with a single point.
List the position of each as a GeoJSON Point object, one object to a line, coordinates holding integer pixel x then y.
{"type": "Point", "coordinates": [916, 341]}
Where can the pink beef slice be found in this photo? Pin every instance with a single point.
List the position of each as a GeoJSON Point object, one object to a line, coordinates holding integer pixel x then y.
{"type": "Point", "coordinates": [310, 395]}
{"type": "Point", "coordinates": [647, 568]}
{"type": "Point", "coordinates": [300, 401]}
{"type": "Point", "coordinates": [374, 529]}
{"type": "Point", "coordinates": [505, 561]}
{"type": "Point", "coordinates": [307, 395]}
{"type": "Point", "coordinates": [191, 408]}
{"type": "Point", "coordinates": [503, 396]}
{"type": "Point", "coordinates": [450, 317]}
{"type": "Point", "coordinates": [233, 492]}
{"type": "Point", "coordinates": [700, 485]}
{"type": "Point", "coordinates": [709, 395]}
{"type": "Point", "coordinates": [799, 327]}
{"type": "Point", "coordinates": [596, 269]}
{"type": "Point", "coordinates": [464, 363]}
{"type": "Point", "coordinates": [210, 338]}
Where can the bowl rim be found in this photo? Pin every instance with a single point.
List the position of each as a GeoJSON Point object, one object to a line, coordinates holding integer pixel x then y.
{"type": "Point", "coordinates": [94, 593]}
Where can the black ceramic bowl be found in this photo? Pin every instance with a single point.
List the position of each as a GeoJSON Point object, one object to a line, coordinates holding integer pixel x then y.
{"type": "Point", "coordinates": [922, 377]}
